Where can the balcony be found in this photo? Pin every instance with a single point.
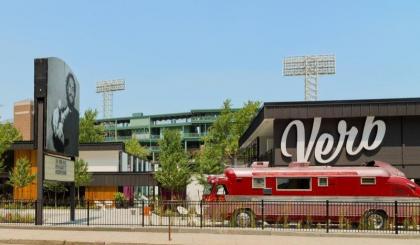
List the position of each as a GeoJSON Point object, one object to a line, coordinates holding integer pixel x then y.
{"type": "Point", "coordinates": [142, 136]}
{"type": "Point", "coordinates": [154, 148]}
{"type": "Point", "coordinates": [193, 135]}
{"type": "Point", "coordinates": [154, 137]}
{"type": "Point", "coordinates": [205, 119]}
{"type": "Point", "coordinates": [118, 138]}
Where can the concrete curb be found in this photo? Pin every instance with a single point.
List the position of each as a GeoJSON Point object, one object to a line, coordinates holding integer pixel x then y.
{"type": "Point", "coordinates": [215, 231]}
{"type": "Point", "coordinates": [56, 242]}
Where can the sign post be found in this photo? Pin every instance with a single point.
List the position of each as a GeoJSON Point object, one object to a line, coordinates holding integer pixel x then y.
{"type": "Point", "coordinates": [57, 127]}
{"type": "Point", "coordinates": [61, 169]}
{"type": "Point", "coordinates": [40, 165]}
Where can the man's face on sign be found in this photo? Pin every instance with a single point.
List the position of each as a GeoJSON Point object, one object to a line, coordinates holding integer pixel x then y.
{"type": "Point", "coordinates": [71, 92]}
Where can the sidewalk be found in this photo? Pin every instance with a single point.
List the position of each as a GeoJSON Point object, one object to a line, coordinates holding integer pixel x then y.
{"type": "Point", "coordinates": [77, 236]}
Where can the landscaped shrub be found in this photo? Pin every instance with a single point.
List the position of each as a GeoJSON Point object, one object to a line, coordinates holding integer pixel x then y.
{"type": "Point", "coordinates": [17, 218]}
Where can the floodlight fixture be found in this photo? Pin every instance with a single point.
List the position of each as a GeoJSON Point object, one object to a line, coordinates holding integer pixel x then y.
{"type": "Point", "coordinates": [106, 88]}
{"type": "Point", "coordinates": [311, 67]}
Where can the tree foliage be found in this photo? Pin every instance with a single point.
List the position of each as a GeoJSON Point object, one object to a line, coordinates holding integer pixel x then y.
{"type": "Point", "coordinates": [88, 131]}
{"type": "Point", "coordinates": [8, 134]}
{"type": "Point", "coordinates": [221, 145]}
{"type": "Point", "coordinates": [133, 147]}
{"type": "Point", "coordinates": [21, 175]}
{"type": "Point", "coordinates": [55, 187]}
{"type": "Point", "coordinates": [173, 173]}
{"type": "Point", "coordinates": [81, 175]}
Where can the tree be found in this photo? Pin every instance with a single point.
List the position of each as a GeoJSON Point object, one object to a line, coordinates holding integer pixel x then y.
{"type": "Point", "coordinates": [81, 175]}
{"type": "Point", "coordinates": [21, 175]}
{"type": "Point", "coordinates": [221, 145]}
{"type": "Point", "coordinates": [8, 134]}
{"type": "Point", "coordinates": [209, 161]}
{"type": "Point", "coordinates": [174, 173]}
{"type": "Point", "coordinates": [88, 131]}
{"type": "Point", "coordinates": [56, 187]}
{"type": "Point", "coordinates": [133, 147]}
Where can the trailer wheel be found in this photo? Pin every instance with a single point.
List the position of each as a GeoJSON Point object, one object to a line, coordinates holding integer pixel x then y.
{"type": "Point", "coordinates": [243, 218]}
{"type": "Point", "coordinates": [376, 219]}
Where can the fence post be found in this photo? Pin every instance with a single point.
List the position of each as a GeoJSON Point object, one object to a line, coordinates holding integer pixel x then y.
{"type": "Point", "coordinates": [396, 217]}
{"type": "Point", "coordinates": [36, 208]}
{"type": "Point", "coordinates": [262, 213]}
{"type": "Point", "coordinates": [169, 225]}
{"type": "Point", "coordinates": [142, 213]}
{"type": "Point", "coordinates": [201, 213]}
{"type": "Point", "coordinates": [327, 206]}
{"type": "Point", "coordinates": [88, 209]}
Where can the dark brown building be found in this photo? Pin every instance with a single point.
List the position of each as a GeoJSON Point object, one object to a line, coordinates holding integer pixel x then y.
{"type": "Point", "coordinates": [347, 132]}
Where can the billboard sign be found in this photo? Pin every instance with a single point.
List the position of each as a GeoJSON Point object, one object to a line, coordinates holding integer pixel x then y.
{"type": "Point", "coordinates": [62, 109]}
{"type": "Point", "coordinates": [58, 169]}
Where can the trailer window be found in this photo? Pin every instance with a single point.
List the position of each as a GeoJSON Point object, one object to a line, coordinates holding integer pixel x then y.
{"type": "Point", "coordinates": [293, 183]}
{"type": "Point", "coordinates": [207, 189]}
{"type": "Point", "coordinates": [323, 181]}
{"type": "Point", "coordinates": [368, 180]}
{"type": "Point", "coordinates": [258, 182]}
{"type": "Point", "coordinates": [221, 190]}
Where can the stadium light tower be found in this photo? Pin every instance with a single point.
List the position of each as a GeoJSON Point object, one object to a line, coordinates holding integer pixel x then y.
{"type": "Point", "coordinates": [310, 67]}
{"type": "Point", "coordinates": [107, 88]}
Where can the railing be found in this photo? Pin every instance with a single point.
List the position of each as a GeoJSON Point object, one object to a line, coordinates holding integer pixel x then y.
{"type": "Point", "coordinates": [204, 119]}
{"type": "Point", "coordinates": [155, 137]}
{"type": "Point", "coordinates": [142, 136]}
{"type": "Point", "coordinates": [118, 138]}
{"type": "Point", "coordinates": [193, 135]}
{"type": "Point", "coordinates": [123, 138]}
{"type": "Point", "coordinates": [151, 136]}
{"type": "Point", "coordinates": [318, 216]}
{"type": "Point", "coordinates": [154, 148]}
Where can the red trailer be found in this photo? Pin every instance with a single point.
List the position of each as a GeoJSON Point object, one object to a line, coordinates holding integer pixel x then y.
{"type": "Point", "coordinates": [300, 192]}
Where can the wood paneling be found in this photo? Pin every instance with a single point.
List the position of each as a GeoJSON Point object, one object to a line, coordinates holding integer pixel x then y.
{"type": "Point", "coordinates": [28, 192]}
{"type": "Point", "coordinates": [100, 192]}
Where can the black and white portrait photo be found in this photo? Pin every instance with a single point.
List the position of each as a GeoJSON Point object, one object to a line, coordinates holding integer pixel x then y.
{"type": "Point", "coordinates": [62, 122]}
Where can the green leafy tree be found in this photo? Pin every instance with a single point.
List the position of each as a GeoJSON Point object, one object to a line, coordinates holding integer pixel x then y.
{"type": "Point", "coordinates": [55, 187]}
{"type": "Point", "coordinates": [88, 131]}
{"type": "Point", "coordinates": [81, 175]}
{"type": "Point", "coordinates": [209, 161]}
{"type": "Point", "coordinates": [221, 145]}
{"type": "Point", "coordinates": [8, 134]}
{"type": "Point", "coordinates": [174, 172]}
{"type": "Point", "coordinates": [21, 175]}
{"type": "Point", "coordinates": [133, 147]}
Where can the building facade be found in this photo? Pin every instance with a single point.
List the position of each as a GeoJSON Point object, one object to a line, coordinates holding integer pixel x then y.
{"type": "Point", "coordinates": [342, 133]}
{"type": "Point", "coordinates": [148, 129]}
{"type": "Point", "coordinates": [112, 170]}
{"type": "Point", "coordinates": [23, 116]}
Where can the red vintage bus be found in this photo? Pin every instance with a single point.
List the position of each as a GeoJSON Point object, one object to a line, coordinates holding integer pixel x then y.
{"type": "Point", "coordinates": [301, 191]}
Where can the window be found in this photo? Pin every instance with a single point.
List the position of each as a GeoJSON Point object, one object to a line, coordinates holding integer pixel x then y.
{"type": "Point", "coordinates": [368, 180]}
{"type": "Point", "coordinates": [293, 183]}
{"type": "Point", "coordinates": [207, 189]}
{"type": "Point", "coordinates": [258, 182]}
{"type": "Point", "coordinates": [322, 181]}
{"type": "Point", "coordinates": [221, 190]}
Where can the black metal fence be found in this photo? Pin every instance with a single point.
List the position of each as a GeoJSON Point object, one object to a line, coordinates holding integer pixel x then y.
{"type": "Point", "coordinates": [323, 216]}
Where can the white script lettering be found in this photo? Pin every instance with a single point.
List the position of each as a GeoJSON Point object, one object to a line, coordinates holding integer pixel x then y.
{"type": "Point", "coordinates": [325, 143]}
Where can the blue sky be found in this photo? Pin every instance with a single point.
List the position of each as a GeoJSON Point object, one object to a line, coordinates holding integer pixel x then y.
{"type": "Point", "coordinates": [182, 55]}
